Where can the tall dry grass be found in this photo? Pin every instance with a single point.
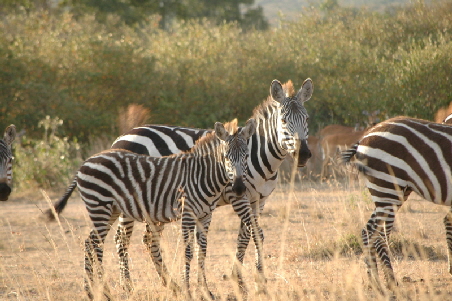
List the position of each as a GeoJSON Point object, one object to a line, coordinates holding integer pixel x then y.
{"type": "Point", "coordinates": [312, 250]}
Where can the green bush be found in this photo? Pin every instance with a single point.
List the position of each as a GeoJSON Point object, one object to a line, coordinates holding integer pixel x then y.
{"type": "Point", "coordinates": [198, 73]}
{"type": "Point", "coordinates": [47, 162]}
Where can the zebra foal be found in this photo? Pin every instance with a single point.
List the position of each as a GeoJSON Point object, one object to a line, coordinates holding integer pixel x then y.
{"type": "Point", "coordinates": [157, 191]}
{"type": "Point", "coordinates": [399, 156]}
{"type": "Point", "coordinates": [281, 130]}
{"type": "Point", "coordinates": [6, 162]}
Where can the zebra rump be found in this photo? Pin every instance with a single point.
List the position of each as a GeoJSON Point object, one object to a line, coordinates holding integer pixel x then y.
{"type": "Point", "coordinates": [399, 156]}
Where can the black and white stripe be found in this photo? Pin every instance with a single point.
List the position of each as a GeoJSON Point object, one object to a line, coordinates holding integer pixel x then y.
{"type": "Point", "coordinates": [282, 128]}
{"type": "Point", "coordinates": [6, 162]}
{"type": "Point", "coordinates": [160, 190]}
{"type": "Point", "coordinates": [397, 157]}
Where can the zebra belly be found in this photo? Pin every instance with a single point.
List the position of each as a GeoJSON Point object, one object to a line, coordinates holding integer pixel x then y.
{"type": "Point", "coordinates": [389, 174]}
{"type": "Point", "coordinates": [154, 213]}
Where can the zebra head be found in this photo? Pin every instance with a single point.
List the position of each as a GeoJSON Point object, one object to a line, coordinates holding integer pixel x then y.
{"type": "Point", "coordinates": [6, 157]}
{"type": "Point", "coordinates": [236, 153]}
{"type": "Point", "coordinates": [293, 121]}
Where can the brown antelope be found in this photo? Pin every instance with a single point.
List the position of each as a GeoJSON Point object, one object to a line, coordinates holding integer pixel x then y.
{"type": "Point", "coordinates": [332, 145]}
{"type": "Point", "coordinates": [334, 129]}
{"type": "Point", "coordinates": [443, 113]}
{"type": "Point", "coordinates": [314, 163]}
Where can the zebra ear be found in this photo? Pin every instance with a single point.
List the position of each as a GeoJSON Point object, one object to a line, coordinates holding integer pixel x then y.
{"type": "Point", "coordinates": [277, 91]}
{"type": "Point", "coordinates": [10, 134]}
{"type": "Point", "coordinates": [220, 131]}
{"type": "Point", "coordinates": [249, 129]}
{"type": "Point", "coordinates": [448, 119]}
{"type": "Point", "coordinates": [306, 90]}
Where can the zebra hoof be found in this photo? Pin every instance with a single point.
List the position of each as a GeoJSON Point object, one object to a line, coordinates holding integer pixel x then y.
{"type": "Point", "coordinates": [261, 290]}
{"type": "Point", "coordinates": [207, 296]}
{"type": "Point", "coordinates": [127, 286]}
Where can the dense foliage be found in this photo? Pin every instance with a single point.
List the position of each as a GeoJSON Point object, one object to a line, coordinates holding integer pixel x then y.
{"type": "Point", "coordinates": [84, 71]}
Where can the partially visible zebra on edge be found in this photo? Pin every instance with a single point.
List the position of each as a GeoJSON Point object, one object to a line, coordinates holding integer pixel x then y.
{"type": "Point", "coordinates": [156, 191]}
{"type": "Point", "coordinates": [6, 162]}
{"type": "Point", "coordinates": [399, 156]}
{"type": "Point", "coordinates": [282, 129]}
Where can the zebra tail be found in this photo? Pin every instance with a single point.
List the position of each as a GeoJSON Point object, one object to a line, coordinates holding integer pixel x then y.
{"type": "Point", "coordinates": [347, 157]}
{"type": "Point", "coordinates": [62, 202]}
{"type": "Point", "coordinates": [348, 154]}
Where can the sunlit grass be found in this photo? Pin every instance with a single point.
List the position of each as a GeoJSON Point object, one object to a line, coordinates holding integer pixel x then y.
{"type": "Point", "coordinates": [313, 251]}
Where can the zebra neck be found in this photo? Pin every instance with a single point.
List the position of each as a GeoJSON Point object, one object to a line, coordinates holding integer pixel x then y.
{"type": "Point", "coordinates": [204, 169]}
{"type": "Point", "coordinates": [265, 142]}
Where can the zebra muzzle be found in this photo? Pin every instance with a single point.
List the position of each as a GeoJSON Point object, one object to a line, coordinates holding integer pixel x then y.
{"type": "Point", "coordinates": [303, 153]}
{"type": "Point", "coordinates": [5, 191]}
{"type": "Point", "coordinates": [239, 187]}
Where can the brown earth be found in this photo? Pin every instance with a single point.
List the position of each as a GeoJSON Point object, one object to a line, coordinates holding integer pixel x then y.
{"type": "Point", "coordinates": [312, 250]}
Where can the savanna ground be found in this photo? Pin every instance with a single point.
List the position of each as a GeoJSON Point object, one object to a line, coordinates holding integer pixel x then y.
{"type": "Point", "coordinates": [312, 249]}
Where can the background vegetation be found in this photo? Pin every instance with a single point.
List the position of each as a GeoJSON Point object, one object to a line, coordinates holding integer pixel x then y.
{"type": "Point", "coordinates": [85, 70]}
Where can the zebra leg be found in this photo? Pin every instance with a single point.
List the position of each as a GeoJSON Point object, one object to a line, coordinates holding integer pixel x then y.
{"type": "Point", "coordinates": [370, 258]}
{"type": "Point", "coordinates": [151, 240]}
{"type": "Point", "coordinates": [122, 240]}
{"type": "Point", "coordinates": [243, 239]}
{"type": "Point", "coordinates": [202, 229]}
{"type": "Point", "coordinates": [188, 229]}
{"type": "Point", "coordinates": [249, 227]}
{"type": "Point", "coordinates": [93, 261]}
{"type": "Point", "coordinates": [258, 238]}
{"type": "Point", "coordinates": [448, 225]}
{"type": "Point", "coordinates": [384, 222]}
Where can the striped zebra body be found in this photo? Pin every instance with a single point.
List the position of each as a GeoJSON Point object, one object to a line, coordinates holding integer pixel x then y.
{"type": "Point", "coordinates": [6, 162]}
{"type": "Point", "coordinates": [160, 190]}
{"type": "Point", "coordinates": [281, 129]}
{"type": "Point", "coordinates": [397, 157]}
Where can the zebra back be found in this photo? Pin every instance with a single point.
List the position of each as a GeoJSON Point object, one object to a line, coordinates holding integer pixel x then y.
{"type": "Point", "coordinates": [159, 140]}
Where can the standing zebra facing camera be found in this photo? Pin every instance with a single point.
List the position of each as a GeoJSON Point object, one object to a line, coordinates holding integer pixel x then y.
{"type": "Point", "coordinates": [6, 162]}
{"type": "Point", "coordinates": [157, 191]}
{"type": "Point", "coordinates": [399, 156]}
{"type": "Point", "coordinates": [282, 129]}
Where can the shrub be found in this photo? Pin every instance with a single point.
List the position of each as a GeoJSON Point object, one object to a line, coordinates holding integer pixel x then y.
{"type": "Point", "coordinates": [47, 162]}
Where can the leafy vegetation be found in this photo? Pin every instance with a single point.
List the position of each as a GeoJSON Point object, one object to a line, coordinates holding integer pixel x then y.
{"type": "Point", "coordinates": [47, 162]}
{"type": "Point", "coordinates": [85, 72]}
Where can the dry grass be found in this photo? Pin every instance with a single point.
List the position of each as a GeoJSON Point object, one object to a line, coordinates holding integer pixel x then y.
{"type": "Point", "coordinates": [312, 250]}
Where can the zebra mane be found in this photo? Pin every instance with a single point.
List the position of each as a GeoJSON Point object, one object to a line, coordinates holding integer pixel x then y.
{"type": "Point", "coordinates": [262, 109]}
{"type": "Point", "coordinates": [231, 127]}
{"type": "Point", "coordinates": [288, 88]}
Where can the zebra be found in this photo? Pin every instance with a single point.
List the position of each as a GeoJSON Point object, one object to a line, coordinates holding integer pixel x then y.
{"type": "Point", "coordinates": [157, 191]}
{"type": "Point", "coordinates": [399, 156]}
{"type": "Point", "coordinates": [282, 128]}
{"type": "Point", "coordinates": [6, 162]}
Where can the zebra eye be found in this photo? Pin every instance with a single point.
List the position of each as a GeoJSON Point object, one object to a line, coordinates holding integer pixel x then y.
{"type": "Point", "coordinates": [283, 120]}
